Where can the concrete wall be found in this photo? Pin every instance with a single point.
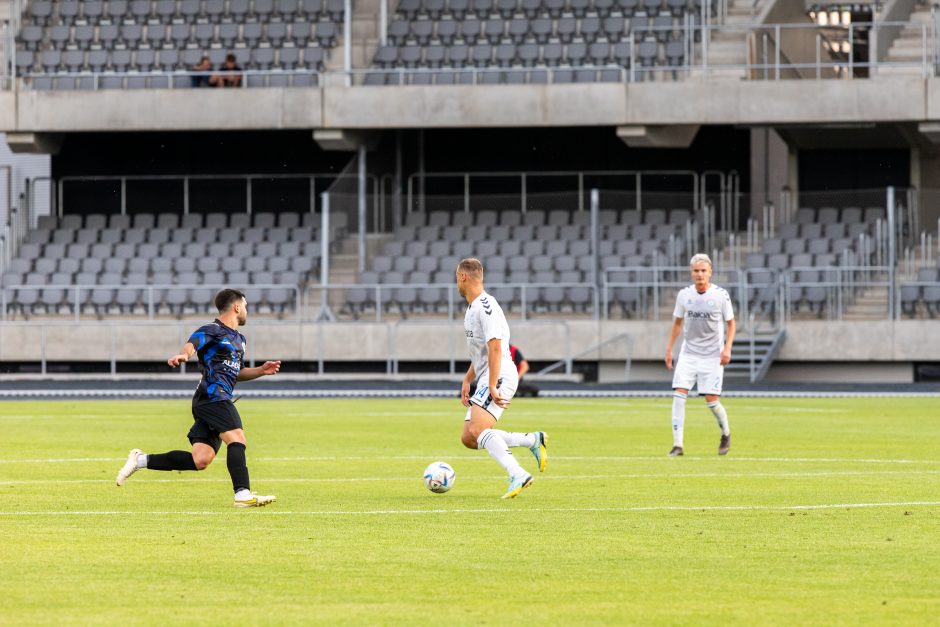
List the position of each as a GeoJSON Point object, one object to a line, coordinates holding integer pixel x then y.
{"type": "Point", "coordinates": [807, 341]}
{"type": "Point", "coordinates": [687, 102]}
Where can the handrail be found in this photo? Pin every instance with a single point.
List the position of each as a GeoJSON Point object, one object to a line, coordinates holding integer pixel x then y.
{"type": "Point", "coordinates": [524, 176]}
{"type": "Point", "coordinates": [567, 362]}
{"type": "Point", "coordinates": [28, 78]}
{"type": "Point", "coordinates": [185, 179]}
{"type": "Point", "coordinates": [77, 304]}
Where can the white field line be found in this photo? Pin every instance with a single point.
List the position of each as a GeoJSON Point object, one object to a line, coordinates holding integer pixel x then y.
{"type": "Point", "coordinates": [435, 393]}
{"type": "Point", "coordinates": [505, 510]}
{"type": "Point", "coordinates": [861, 473]}
{"type": "Point", "coordinates": [467, 458]}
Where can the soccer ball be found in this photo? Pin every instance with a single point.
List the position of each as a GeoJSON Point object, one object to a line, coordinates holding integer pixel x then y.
{"type": "Point", "coordinates": [439, 477]}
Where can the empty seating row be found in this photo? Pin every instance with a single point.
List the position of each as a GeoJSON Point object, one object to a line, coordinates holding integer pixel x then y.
{"type": "Point", "coordinates": [264, 219]}
{"type": "Point", "coordinates": [829, 215]}
{"type": "Point", "coordinates": [84, 270]}
{"type": "Point", "coordinates": [130, 238]}
{"type": "Point", "coordinates": [553, 76]}
{"type": "Point", "coordinates": [177, 36]}
{"type": "Point", "coordinates": [460, 9]}
{"type": "Point", "coordinates": [546, 232]}
{"type": "Point", "coordinates": [526, 54]}
{"type": "Point", "coordinates": [558, 217]}
{"type": "Point", "coordinates": [292, 274]}
{"type": "Point", "coordinates": [408, 300]}
{"type": "Point", "coordinates": [128, 300]}
{"type": "Point", "coordinates": [925, 294]}
{"type": "Point", "coordinates": [817, 245]}
{"type": "Point", "coordinates": [529, 248]}
{"type": "Point", "coordinates": [784, 261]}
{"type": "Point", "coordinates": [167, 11]}
{"type": "Point", "coordinates": [831, 230]}
{"type": "Point", "coordinates": [519, 30]}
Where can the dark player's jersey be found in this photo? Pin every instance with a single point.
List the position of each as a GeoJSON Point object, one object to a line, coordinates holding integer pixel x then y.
{"type": "Point", "coordinates": [516, 355]}
{"type": "Point", "coordinates": [221, 351]}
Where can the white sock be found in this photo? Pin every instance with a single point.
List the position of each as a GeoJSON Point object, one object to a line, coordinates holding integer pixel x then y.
{"type": "Point", "coordinates": [514, 439]}
{"type": "Point", "coordinates": [142, 460]}
{"type": "Point", "coordinates": [494, 443]}
{"type": "Point", "coordinates": [721, 416]}
{"type": "Point", "coordinates": [678, 417]}
{"type": "Point", "coordinates": [243, 495]}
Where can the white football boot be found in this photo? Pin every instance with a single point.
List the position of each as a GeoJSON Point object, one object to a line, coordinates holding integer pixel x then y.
{"type": "Point", "coordinates": [129, 467]}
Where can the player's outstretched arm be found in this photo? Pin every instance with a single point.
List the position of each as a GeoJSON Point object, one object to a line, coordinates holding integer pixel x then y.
{"type": "Point", "coordinates": [265, 369]}
{"type": "Point", "coordinates": [183, 356]}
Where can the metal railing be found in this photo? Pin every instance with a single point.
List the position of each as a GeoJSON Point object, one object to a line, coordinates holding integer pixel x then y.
{"type": "Point", "coordinates": [317, 183]}
{"type": "Point", "coordinates": [78, 298]}
{"type": "Point", "coordinates": [570, 189]}
{"type": "Point", "coordinates": [176, 79]}
{"type": "Point", "coordinates": [520, 301]}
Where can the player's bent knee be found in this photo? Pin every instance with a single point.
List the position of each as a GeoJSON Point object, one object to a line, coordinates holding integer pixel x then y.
{"type": "Point", "coordinates": [469, 440]}
{"type": "Point", "coordinates": [202, 461]}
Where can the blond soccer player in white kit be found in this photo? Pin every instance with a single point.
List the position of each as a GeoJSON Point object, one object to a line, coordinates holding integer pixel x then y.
{"type": "Point", "coordinates": [497, 379]}
{"type": "Point", "coordinates": [703, 312]}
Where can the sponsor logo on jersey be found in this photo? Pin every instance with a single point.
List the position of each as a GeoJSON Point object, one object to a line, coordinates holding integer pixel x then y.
{"type": "Point", "coordinates": [698, 314]}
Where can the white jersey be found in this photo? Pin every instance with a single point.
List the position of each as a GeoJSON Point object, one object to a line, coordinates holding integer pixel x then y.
{"type": "Point", "coordinates": [705, 315]}
{"type": "Point", "coordinates": [483, 322]}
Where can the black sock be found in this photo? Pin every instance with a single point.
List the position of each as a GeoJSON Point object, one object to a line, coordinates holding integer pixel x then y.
{"type": "Point", "coordinates": [174, 460]}
{"type": "Point", "coordinates": [237, 467]}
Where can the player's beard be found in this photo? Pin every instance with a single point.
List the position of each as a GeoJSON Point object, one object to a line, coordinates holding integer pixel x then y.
{"type": "Point", "coordinates": [242, 318]}
{"type": "Point", "coordinates": [462, 292]}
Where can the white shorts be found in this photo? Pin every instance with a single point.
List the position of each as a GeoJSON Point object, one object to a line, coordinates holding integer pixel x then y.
{"type": "Point", "coordinates": [706, 371]}
{"type": "Point", "coordinates": [507, 388]}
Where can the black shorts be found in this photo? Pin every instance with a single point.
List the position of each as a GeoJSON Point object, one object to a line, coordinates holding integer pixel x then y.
{"type": "Point", "coordinates": [212, 419]}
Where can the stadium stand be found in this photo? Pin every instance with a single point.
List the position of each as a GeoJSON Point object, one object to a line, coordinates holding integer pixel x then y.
{"type": "Point", "coordinates": [113, 259]}
{"type": "Point", "coordinates": [535, 41]}
{"type": "Point", "coordinates": [155, 43]}
{"type": "Point", "coordinates": [548, 251]}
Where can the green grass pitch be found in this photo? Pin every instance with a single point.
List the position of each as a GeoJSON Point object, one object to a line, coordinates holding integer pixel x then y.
{"type": "Point", "coordinates": [826, 511]}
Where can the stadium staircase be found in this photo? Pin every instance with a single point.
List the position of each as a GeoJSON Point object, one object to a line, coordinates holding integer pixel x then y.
{"type": "Point", "coordinates": [908, 48]}
{"type": "Point", "coordinates": [728, 47]}
{"type": "Point", "coordinates": [766, 348]}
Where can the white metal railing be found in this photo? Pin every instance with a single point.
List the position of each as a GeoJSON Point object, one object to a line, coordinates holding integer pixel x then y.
{"type": "Point", "coordinates": [318, 182]}
{"type": "Point", "coordinates": [401, 300]}
{"type": "Point", "coordinates": [176, 79]}
{"type": "Point", "coordinates": [580, 182]}
{"type": "Point", "coordinates": [151, 297]}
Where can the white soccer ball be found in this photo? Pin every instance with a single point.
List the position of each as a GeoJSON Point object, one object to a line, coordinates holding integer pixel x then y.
{"type": "Point", "coordinates": [439, 477]}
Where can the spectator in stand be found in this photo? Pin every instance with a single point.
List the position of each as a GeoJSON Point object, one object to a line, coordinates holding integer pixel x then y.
{"type": "Point", "coordinates": [204, 66]}
{"type": "Point", "coordinates": [229, 79]}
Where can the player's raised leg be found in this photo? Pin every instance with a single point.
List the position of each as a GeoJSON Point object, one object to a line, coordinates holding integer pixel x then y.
{"type": "Point", "coordinates": [535, 441]}
{"type": "Point", "coordinates": [201, 456]}
{"type": "Point", "coordinates": [478, 433]}
{"type": "Point", "coordinates": [237, 464]}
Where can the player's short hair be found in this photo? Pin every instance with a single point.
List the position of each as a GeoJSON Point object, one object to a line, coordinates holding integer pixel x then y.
{"type": "Point", "coordinates": [699, 258]}
{"type": "Point", "coordinates": [473, 267]}
{"type": "Point", "coordinates": [225, 298]}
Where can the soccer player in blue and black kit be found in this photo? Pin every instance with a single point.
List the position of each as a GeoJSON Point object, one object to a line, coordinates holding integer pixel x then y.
{"type": "Point", "coordinates": [221, 350]}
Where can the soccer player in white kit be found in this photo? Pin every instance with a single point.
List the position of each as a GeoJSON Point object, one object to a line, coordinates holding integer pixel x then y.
{"type": "Point", "coordinates": [497, 379]}
{"type": "Point", "coordinates": [702, 313]}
